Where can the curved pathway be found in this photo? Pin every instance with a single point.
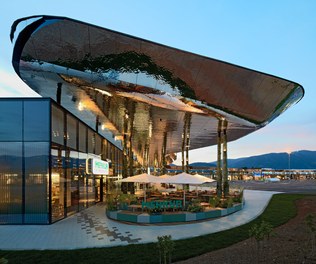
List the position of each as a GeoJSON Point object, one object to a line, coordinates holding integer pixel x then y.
{"type": "Point", "coordinates": [91, 228]}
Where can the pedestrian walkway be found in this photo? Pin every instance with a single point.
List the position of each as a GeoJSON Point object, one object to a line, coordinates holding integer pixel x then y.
{"type": "Point", "coordinates": [91, 228]}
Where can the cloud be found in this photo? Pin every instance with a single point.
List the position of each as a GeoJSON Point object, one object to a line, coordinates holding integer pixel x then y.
{"type": "Point", "coordinates": [12, 86]}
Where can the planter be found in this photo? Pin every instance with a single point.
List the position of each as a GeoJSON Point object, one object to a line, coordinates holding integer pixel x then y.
{"type": "Point", "coordinates": [176, 217]}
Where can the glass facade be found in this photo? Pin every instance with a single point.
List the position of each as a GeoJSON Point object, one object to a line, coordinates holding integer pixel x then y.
{"type": "Point", "coordinates": [43, 153]}
{"type": "Point", "coordinates": [24, 155]}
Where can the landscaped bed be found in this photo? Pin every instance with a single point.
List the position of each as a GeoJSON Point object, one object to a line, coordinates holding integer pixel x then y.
{"type": "Point", "coordinates": [171, 217]}
{"type": "Point", "coordinates": [125, 207]}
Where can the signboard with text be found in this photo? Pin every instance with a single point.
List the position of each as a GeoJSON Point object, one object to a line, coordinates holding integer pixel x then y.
{"type": "Point", "coordinates": [97, 166]}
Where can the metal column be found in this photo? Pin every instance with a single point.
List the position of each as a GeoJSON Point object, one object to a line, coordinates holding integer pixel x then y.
{"type": "Point", "coordinates": [219, 159]}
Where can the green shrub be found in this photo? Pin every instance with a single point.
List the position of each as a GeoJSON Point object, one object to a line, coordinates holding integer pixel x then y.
{"type": "Point", "coordinates": [238, 196]}
{"type": "Point", "coordinates": [195, 206]}
{"type": "Point", "coordinates": [214, 201]}
{"type": "Point", "coordinates": [126, 198]}
{"type": "Point", "coordinates": [226, 203]}
{"type": "Point", "coordinates": [111, 203]}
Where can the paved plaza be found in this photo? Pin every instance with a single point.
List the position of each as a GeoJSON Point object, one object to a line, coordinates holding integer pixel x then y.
{"type": "Point", "coordinates": [91, 228]}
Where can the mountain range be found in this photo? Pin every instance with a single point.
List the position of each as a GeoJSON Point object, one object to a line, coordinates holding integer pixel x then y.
{"type": "Point", "coordinates": [303, 159]}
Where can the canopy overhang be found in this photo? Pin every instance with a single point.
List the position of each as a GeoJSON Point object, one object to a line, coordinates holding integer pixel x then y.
{"type": "Point", "coordinates": [144, 92]}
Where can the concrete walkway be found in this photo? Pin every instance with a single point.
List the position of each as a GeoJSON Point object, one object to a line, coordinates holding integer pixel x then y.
{"type": "Point", "coordinates": [91, 228]}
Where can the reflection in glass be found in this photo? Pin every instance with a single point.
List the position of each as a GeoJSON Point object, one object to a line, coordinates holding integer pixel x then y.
{"type": "Point", "coordinates": [36, 120]}
{"type": "Point", "coordinates": [98, 189]}
{"type": "Point", "coordinates": [104, 149]}
{"type": "Point", "coordinates": [11, 120]}
{"type": "Point", "coordinates": [11, 183]}
{"type": "Point", "coordinates": [82, 137]}
{"type": "Point", "coordinates": [36, 182]}
{"type": "Point", "coordinates": [58, 180]}
{"type": "Point", "coordinates": [90, 186]}
{"type": "Point", "coordinates": [98, 145]}
{"type": "Point", "coordinates": [57, 125]}
{"type": "Point", "coordinates": [72, 183]}
{"type": "Point", "coordinates": [91, 141]}
{"type": "Point", "coordinates": [82, 180]}
{"type": "Point", "coordinates": [71, 132]}
{"type": "Point", "coordinates": [91, 191]}
{"type": "Point", "coordinates": [25, 179]}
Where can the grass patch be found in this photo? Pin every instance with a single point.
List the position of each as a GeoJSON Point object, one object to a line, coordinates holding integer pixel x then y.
{"type": "Point", "coordinates": [280, 210]}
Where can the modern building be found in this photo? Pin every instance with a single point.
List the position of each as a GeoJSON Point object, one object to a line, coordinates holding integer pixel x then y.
{"type": "Point", "coordinates": [44, 151]}
{"type": "Point", "coordinates": [145, 100]}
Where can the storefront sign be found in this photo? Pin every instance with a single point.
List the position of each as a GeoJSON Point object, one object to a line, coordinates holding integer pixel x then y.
{"type": "Point", "coordinates": [162, 204]}
{"type": "Point", "coordinates": [97, 166]}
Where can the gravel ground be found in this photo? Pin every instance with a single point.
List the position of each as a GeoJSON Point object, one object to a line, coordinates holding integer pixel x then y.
{"type": "Point", "coordinates": [291, 243]}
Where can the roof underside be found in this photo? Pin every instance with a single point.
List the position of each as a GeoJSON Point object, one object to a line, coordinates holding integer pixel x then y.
{"type": "Point", "coordinates": [142, 91]}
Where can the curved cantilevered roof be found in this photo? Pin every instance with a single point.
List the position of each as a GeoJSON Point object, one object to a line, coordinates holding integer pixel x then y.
{"type": "Point", "coordinates": [144, 92]}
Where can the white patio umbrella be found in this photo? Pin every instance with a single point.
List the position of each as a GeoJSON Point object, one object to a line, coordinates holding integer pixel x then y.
{"type": "Point", "coordinates": [203, 177]}
{"type": "Point", "coordinates": [186, 178]}
{"type": "Point", "coordinates": [165, 176]}
{"type": "Point", "coordinates": [141, 178]}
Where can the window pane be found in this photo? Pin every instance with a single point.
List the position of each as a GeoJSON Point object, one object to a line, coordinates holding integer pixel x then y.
{"type": "Point", "coordinates": [72, 183]}
{"type": "Point", "coordinates": [71, 132]}
{"type": "Point", "coordinates": [98, 144]}
{"type": "Point", "coordinates": [11, 120]}
{"type": "Point", "coordinates": [90, 187]}
{"type": "Point", "coordinates": [105, 149]}
{"type": "Point", "coordinates": [91, 141]}
{"type": "Point", "coordinates": [82, 137]}
{"type": "Point", "coordinates": [58, 181]}
{"type": "Point", "coordinates": [91, 195]}
{"type": "Point", "coordinates": [10, 183]}
{"type": "Point", "coordinates": [57, 125]}
{"type": "Point", "coordinates": [36, 120]}
{"type": "Point", "coordinates": [36, 182]}
{"type": "Point", "coordinates": [83, 202]}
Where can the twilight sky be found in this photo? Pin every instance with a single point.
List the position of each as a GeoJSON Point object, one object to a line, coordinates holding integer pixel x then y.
{"type": "Point", "coordinates": [275, 37]}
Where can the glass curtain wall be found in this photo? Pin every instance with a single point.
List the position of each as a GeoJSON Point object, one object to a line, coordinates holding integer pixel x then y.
{"type": "Point", "coordinates": [73, 189]}
{"type": "Point", "coordinates": [24, 156]}
{"type": "Point", "coordinates": [43, 153]}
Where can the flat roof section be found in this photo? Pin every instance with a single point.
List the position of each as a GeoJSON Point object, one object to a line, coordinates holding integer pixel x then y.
{"type": "Point", "coordinates": [142, 91]}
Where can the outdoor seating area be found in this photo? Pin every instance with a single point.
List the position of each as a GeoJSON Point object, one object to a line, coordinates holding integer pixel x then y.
{"type": "Point", "coordinates": [153, 205]}
{"type": "Point", "coordinates": [161, 213]}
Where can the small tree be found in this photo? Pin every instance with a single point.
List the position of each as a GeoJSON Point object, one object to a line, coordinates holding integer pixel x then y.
{"type": "Point", "coordinates": [261, 233]}
{"type": "Point", "coordinates": [165, 246]}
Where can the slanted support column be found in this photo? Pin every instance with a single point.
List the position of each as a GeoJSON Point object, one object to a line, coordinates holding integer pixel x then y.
{"type": "Point", "coordinates": [130, 141]}
{"type": "Point", "coordinates": [225, 170]}
{"type": "Point", "coordinates": [186, 142]}
{"type": "Point", "coordinates": [183, 145]}
{"type": "Point", "coordinates": [187, 145]}
{"type": "Point", "coordinates": [147, 159]}
{"type": "Point", "coordinates": [163, 154]}
{"type": "Point", "coordinates": [124, 186]}
{"type": "Point", "coordinates": [219, 159]}
{"type": "Point", "coordinates": [222, 188]}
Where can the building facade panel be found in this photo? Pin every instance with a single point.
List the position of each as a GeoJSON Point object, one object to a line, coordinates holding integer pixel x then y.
{"type": "Point", "coordinates": [43, 176]}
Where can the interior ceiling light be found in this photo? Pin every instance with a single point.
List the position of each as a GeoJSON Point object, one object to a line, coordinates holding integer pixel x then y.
{"type": "Point", "coordinates": [80, 106]}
